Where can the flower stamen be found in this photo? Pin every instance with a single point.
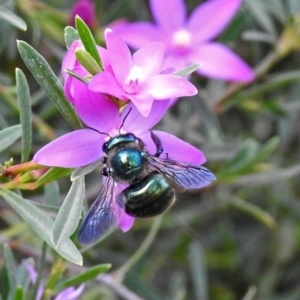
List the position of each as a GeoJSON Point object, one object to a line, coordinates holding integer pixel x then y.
{"type": "Point", "coordinates": [131, 85]}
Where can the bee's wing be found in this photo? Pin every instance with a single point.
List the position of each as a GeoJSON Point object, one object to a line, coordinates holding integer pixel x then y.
{"type": "Point", "coordinates": [182, 175]}
{"type": "Point", "coordinates": [103, 214]}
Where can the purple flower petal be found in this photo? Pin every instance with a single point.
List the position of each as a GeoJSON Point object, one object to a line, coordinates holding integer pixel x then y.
{"type": "Point", "coordinates": [177, 149]}
{"type": "Point", "coordinates": [72, 82]}
{"type": "Point", "coordinates": [86, 10]}
{"type": "Point", "coordinates": [30, 269]}
{"type": "Point", "coordinates": [148, 141]}
{"type": "Point", "coordinates": [176, 61]}
{"type": "Point", "coordinates": [219, 62]}
{"type": "Point", "coordinates": [33, 275]}
{"type": "Point", "coordinates": [150, 59]}
{"type": "Point", "coordinates": [210, 18]}
{"type": "Point", "coordinates": [70, 293]}
{"type": "Point", "coordinates": [137, 123]}
{"type": "Point", "coordinates": [94, 110]}
{"type": "Point", "coordinates": [139, 34]}
{"type": "Point", "coordinates": [143, 102]}
{"type": "Point", "coordinates": [167, 86]}
{"type": "Point", "coordinates": [169, 14]}
{"type": "Point", "coordinates": [39, 292]}
{"type": "Point", "coordinates": [70, 60]}
{"type": "Point", "coordinates": [126, 222]}
{"type": "Point", "coordinates": [106, 83]}
{"type": "Point", "coordinates": [74, 149]}
{"type": "Point", "coordinates": [119, 56]}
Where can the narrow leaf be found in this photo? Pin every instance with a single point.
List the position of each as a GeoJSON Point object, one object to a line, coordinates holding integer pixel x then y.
{"type": "Point", "coordinates": [78, 77]}
{"type": "Point", "coordinates": [18, 295]}
{"type": "Point", "coordinates": [82, 171]}
{"type": "Point", "coordinates": [22, 278]}
{"type": "Point", "coordinates": [254, 211]}
{"type": "Point", "coordinates": [53, 174]}
{"type": "Point", "coordinates": [46, 78]}
{"type": "Point", "coordinates": [41, 224]}
{"type": "Point", "coordinates": [9, 135]}
{"type": "Point", "coordinates": [13, 19]}
{"type": "Point", "coordinates": [87, 61]}
{"type": "Point", "coordinates": [69, 213]}
{"type": "Point", "coordinates": [187, 71]}
{"type": "Point", "coordinates": [71, 35]}
{"type": "Point", "coordinates": [198, 270]}
{"type": "Point", "coordinates": [83, 277]}
{"type": "Point", "coordinates": [88, 40]}
{"type": "Point", "coordinates": [51, 192]}
{"type": "Point", "coordinates": [10, 265]}
{"type": "Point", "coordinates": [24, 102]}
{"type": "Point", "coordinates": [267, 149]}
{"type": "Point", "coordinates": [244, 156]}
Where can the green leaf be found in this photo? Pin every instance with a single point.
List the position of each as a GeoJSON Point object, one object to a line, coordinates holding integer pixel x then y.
{"type": "Point", "coordinates": [24, 102]}
{"type": "Point", "coordinates": [69, 213]}
{"type": "Point", "coordinates": [18, 294]}
{"type": "Point", "coordinates": [83, 277]}
{"type": "Point", "coordinates": [82, 171]}
{"type": "Point", "coordinates": [187, 71]}
{"type": "Point", "coordinates": [22, 278]}
{"type": "Point", "coordinates": [41, 224]}
{"type": "Point", "coordinates": [51, 192]}
{"type": "Point", "coordinates": [46, 78]}
{"type": "Point", "coordinates": [78, 77]}
{"type": "Point", "coordinates": [9, 135]}
{"type": "Point", "coordinates": [254, 211]}
{"type": "Point", "coordinates": [70, 35]}
{"type": "Point", "coordinates": [267, 149]}
{"type": "Point", "coordinates": [53, 174]}
{"type": "Point", "coordinates": [87, 61]}
{"type": "Point", "coordinates": [88, 40]}
{"type": "Point", "coordinates": [198, 270]}
{"type": "Point", "coordinates": [10, 265]}
{"type": "Point", "coordinates": [245, 154]}
{"type": "Point", "coordinates": [49, 210]}
{"type": "Point", "coordinates": [13, 19]}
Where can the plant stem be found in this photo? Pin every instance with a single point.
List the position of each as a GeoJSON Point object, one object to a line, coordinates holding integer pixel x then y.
{"type": "Point", "coordinates": [141, 250]}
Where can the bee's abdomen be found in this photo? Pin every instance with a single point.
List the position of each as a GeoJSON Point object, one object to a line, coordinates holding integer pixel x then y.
{"type": "Point", "coordinates": [149, 197]}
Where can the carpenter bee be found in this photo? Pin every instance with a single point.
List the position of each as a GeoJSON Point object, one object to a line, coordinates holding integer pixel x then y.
{"type": "Point", "coordinates": [150, 180]}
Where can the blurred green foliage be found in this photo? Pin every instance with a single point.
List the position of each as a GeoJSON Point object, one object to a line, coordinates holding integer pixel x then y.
{"type": "Point", "coordinates": [238, 239]}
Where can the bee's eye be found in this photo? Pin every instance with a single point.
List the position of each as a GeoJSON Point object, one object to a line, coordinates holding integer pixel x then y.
{"type": "Point", "coordinates": [104, 147]}
{"type": "Point", "coordinates": [130, 135]}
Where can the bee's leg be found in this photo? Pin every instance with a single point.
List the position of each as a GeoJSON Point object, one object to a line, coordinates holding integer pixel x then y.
{"type": "Point", "coordinates": [104, 172]}
{"type": "Point", "coordinates": [157, 142]}
{"type": "Point", "coordinates": [107, 172]}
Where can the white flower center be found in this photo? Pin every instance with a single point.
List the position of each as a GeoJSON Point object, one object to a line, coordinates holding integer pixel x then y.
{"type": "Point", "coordinates": [131, 85]}
{"type": "Point", "coordinates": [181, 40]}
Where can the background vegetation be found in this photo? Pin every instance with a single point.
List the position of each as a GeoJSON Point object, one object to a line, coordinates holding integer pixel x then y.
{"type": "Point", "coordinates": [237, 239]}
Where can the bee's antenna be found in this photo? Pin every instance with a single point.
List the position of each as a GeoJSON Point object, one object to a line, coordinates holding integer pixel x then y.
{"type": "Point", "coordinates": [125, 119]}
{"type": "Point", "coordinates": [96, 130]}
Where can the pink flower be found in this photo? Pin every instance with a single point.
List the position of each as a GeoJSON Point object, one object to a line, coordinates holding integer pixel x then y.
{"type": "Point", "coordinates": [69, 293]}
{"type": "Point", "coordinates": [138, 78]}
{"type": "Point", "coordinates": [102, 118]}
{"type": "Point", "coordinates": [85, 9]}
{"type": "Point", "coordinates": [104, 121]}
{"type": "Point", "coordinates": [71, 63]}
{"type": "Point", "coordinates": [188, 40]}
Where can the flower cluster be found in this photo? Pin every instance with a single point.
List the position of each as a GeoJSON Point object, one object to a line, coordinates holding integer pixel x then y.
{"type": "Point", "coordinates": [129, 94]}
{"type": "Point", "coordinates": [188, 40]}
